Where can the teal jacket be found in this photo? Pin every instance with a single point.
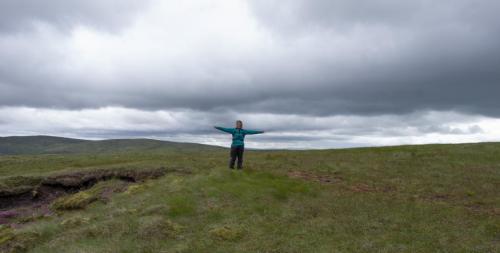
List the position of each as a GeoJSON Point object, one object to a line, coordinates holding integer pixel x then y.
{"type": "Point", "coordinates": [238, 134]}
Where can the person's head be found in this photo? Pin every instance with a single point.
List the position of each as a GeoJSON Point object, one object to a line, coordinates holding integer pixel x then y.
{"type": "Point", "coordinates": [239, 124]}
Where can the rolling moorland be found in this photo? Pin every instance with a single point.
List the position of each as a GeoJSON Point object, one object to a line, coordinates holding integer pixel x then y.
{"type": "Point", "coordinates": [67, 195]}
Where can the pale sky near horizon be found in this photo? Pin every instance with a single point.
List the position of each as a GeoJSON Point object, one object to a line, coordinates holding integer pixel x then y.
{"type": "Point", "coordinates": [313, 74]}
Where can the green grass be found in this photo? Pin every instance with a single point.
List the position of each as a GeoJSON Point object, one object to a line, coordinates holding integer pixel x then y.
{"type": "Point", "coordinates": [432, 198]}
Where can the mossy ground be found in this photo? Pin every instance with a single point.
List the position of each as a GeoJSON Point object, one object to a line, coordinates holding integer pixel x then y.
{"type": "Point", "coordinates": [83, 198]}
{"type": "Point", "coordinates": [436, 198]}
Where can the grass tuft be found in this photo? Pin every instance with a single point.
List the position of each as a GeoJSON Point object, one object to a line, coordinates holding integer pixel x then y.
{"type": "Point", "coordinates": [75, 221]}
{"type": "Point", "coordinates": [82, 199]}
{"type": "Point", "coordinates": [227, 233]}
{"type": "Point", "coordinates": [17, 241]}
{"type": "Point", "coordinates": [157, 227]}
{"type": "Point", "coordinates": [6, 234]}
{"type": "Point", "coordinates": [181, 205]}
{"type": "Point", "coordinates": [75, 201]}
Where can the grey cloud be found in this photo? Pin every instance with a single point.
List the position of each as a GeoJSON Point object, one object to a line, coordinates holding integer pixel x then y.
{"type": "Point", "coordinates": [281, 130]}
{"type": "Point", "coordinates": [410, 56]}
{"type": "Point", "coordinates": [449, 62]}
{"type": "Point", "coordinates": [335, 14]}
{"type": "Point", "coordinates": [444, 129]}
{"type": "Point", "coordinates": [302, 15]}
{"type": "Point", "coordinates": [292, 138]}
{"type": "Point", "coordinates": [21, 15]}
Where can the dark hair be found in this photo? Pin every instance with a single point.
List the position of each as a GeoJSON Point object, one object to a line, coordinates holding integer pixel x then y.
{"type": "Point", "coordinates": [239, 121]}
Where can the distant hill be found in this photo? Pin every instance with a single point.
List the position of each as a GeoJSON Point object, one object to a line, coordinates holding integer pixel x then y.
{"type": "Point", "coordinates": [20, 145]}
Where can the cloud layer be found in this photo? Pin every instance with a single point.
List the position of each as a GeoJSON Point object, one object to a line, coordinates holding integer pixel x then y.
{"type": "Point", "coordinates": [283, 131]}
{"type": "Point", "coordinates": [267, 62]}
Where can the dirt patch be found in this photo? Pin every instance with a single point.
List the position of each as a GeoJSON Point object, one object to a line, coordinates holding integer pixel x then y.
{"type": "Point", "coordinates": [89, 178]}
{"type": "Point", "coordinates": [361, 187]}
{"type": "Point", "coordinates": [56, 185]}
{"type": "Point", "coordinates": [28, 206]}
{"type": "Point", "coordinates": [439, 197]}
{"type": "Point", "coordinates": [474, 206]}
{"type": "Point", "coordinates": [483, 209]}
{"type": "Point", "coordinates": [310, 176]}
{"type": "Point", "coordinates": [33, 198]}
{"type": "Point", "coordinates": [106, 194]}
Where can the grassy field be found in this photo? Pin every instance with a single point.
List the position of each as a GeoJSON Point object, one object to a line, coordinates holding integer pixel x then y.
{"type": "Point", "coordinates": [431, 198]}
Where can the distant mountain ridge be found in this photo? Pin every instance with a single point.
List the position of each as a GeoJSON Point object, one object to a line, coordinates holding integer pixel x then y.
{"type": "Point", "coordinates": [41, 144]}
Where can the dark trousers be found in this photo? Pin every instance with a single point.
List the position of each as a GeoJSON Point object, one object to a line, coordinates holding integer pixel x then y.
{"type": "Point", "coordinates": [236, 152]}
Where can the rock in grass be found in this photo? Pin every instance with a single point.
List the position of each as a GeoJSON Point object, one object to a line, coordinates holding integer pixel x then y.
{"type": "Point", "coordinates": [226, 233]}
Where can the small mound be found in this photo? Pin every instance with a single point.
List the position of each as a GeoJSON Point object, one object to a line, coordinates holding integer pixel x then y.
{"type": "Point", "coordinates": [226, 233]}
{"type": "Point", "coordinates": [76, 201]}
{"type": "Point", "coordinates": [80, 200]}
{"type": "Point", "coordinates": [6, 234]}
{"type": "Point", "coordinates": [157, 227]}
{"type": "Point", "coordinates": [75, 221]}
{"type": "Point", "coordinates": [12, 241]}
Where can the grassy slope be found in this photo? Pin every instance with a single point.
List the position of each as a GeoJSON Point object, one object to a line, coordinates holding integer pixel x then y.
{"type": "Point", "coordinates": [26, 145]}
{"type": "Point", "coordinates": [395, 199]}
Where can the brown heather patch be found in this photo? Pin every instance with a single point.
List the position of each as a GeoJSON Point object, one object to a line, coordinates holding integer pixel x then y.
{"type": "Point", "coordinates": [311, 176]}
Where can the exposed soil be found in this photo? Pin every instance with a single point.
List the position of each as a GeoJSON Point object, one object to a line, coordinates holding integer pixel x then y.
{"type": "Point", "coordinates": [29, 204]}
{"type": "Point", "coordinates": [492, 211]}
{"type": "Point", "coordinates": [362, 188]}
{"type": "Point", "coordinates": [33, 201]}
{"type": "Point", "coordinates": [310, 176]}
{"type": "Point", "coordinates": [367, 188]}
{"type": "Point", "coordinates": [439, 197]}
{"type": "Point", "coordinates": [472, 206]}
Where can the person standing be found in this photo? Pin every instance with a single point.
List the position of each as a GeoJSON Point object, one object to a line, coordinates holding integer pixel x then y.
{"type": "Point", "coordinates": [238, 143]}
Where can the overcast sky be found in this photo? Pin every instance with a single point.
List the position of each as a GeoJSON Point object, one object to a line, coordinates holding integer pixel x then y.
{"type": "Point", "coordinates": [313, 74]}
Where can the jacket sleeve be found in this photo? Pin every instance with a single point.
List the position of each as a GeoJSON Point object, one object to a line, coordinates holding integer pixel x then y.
{"type": "Point", "coordinates": [227, 130]}
{"type": "Point", "coordinates": [253, 132]}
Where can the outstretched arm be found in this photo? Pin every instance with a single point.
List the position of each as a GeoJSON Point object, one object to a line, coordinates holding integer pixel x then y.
{"type": "Point", "coordinates": [227, 130]}
{"type": "Point", "coordinates": [253, 131]}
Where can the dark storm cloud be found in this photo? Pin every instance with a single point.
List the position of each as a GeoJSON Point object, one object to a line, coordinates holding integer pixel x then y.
{"type": "Point", "coordinates": [326, 58]}
{"type": "Point", "coordinates": [302, 15]}
{"type": "Point", "coordinates": [19, 15]}
{"type": "Point", "coordinates": [449, 59]}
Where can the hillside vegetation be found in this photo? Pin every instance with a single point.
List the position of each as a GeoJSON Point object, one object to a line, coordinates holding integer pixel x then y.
{"type": "Point", "coordinates": [24, 145]}
{"type": "Point", "coordinates": [430, 198]}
